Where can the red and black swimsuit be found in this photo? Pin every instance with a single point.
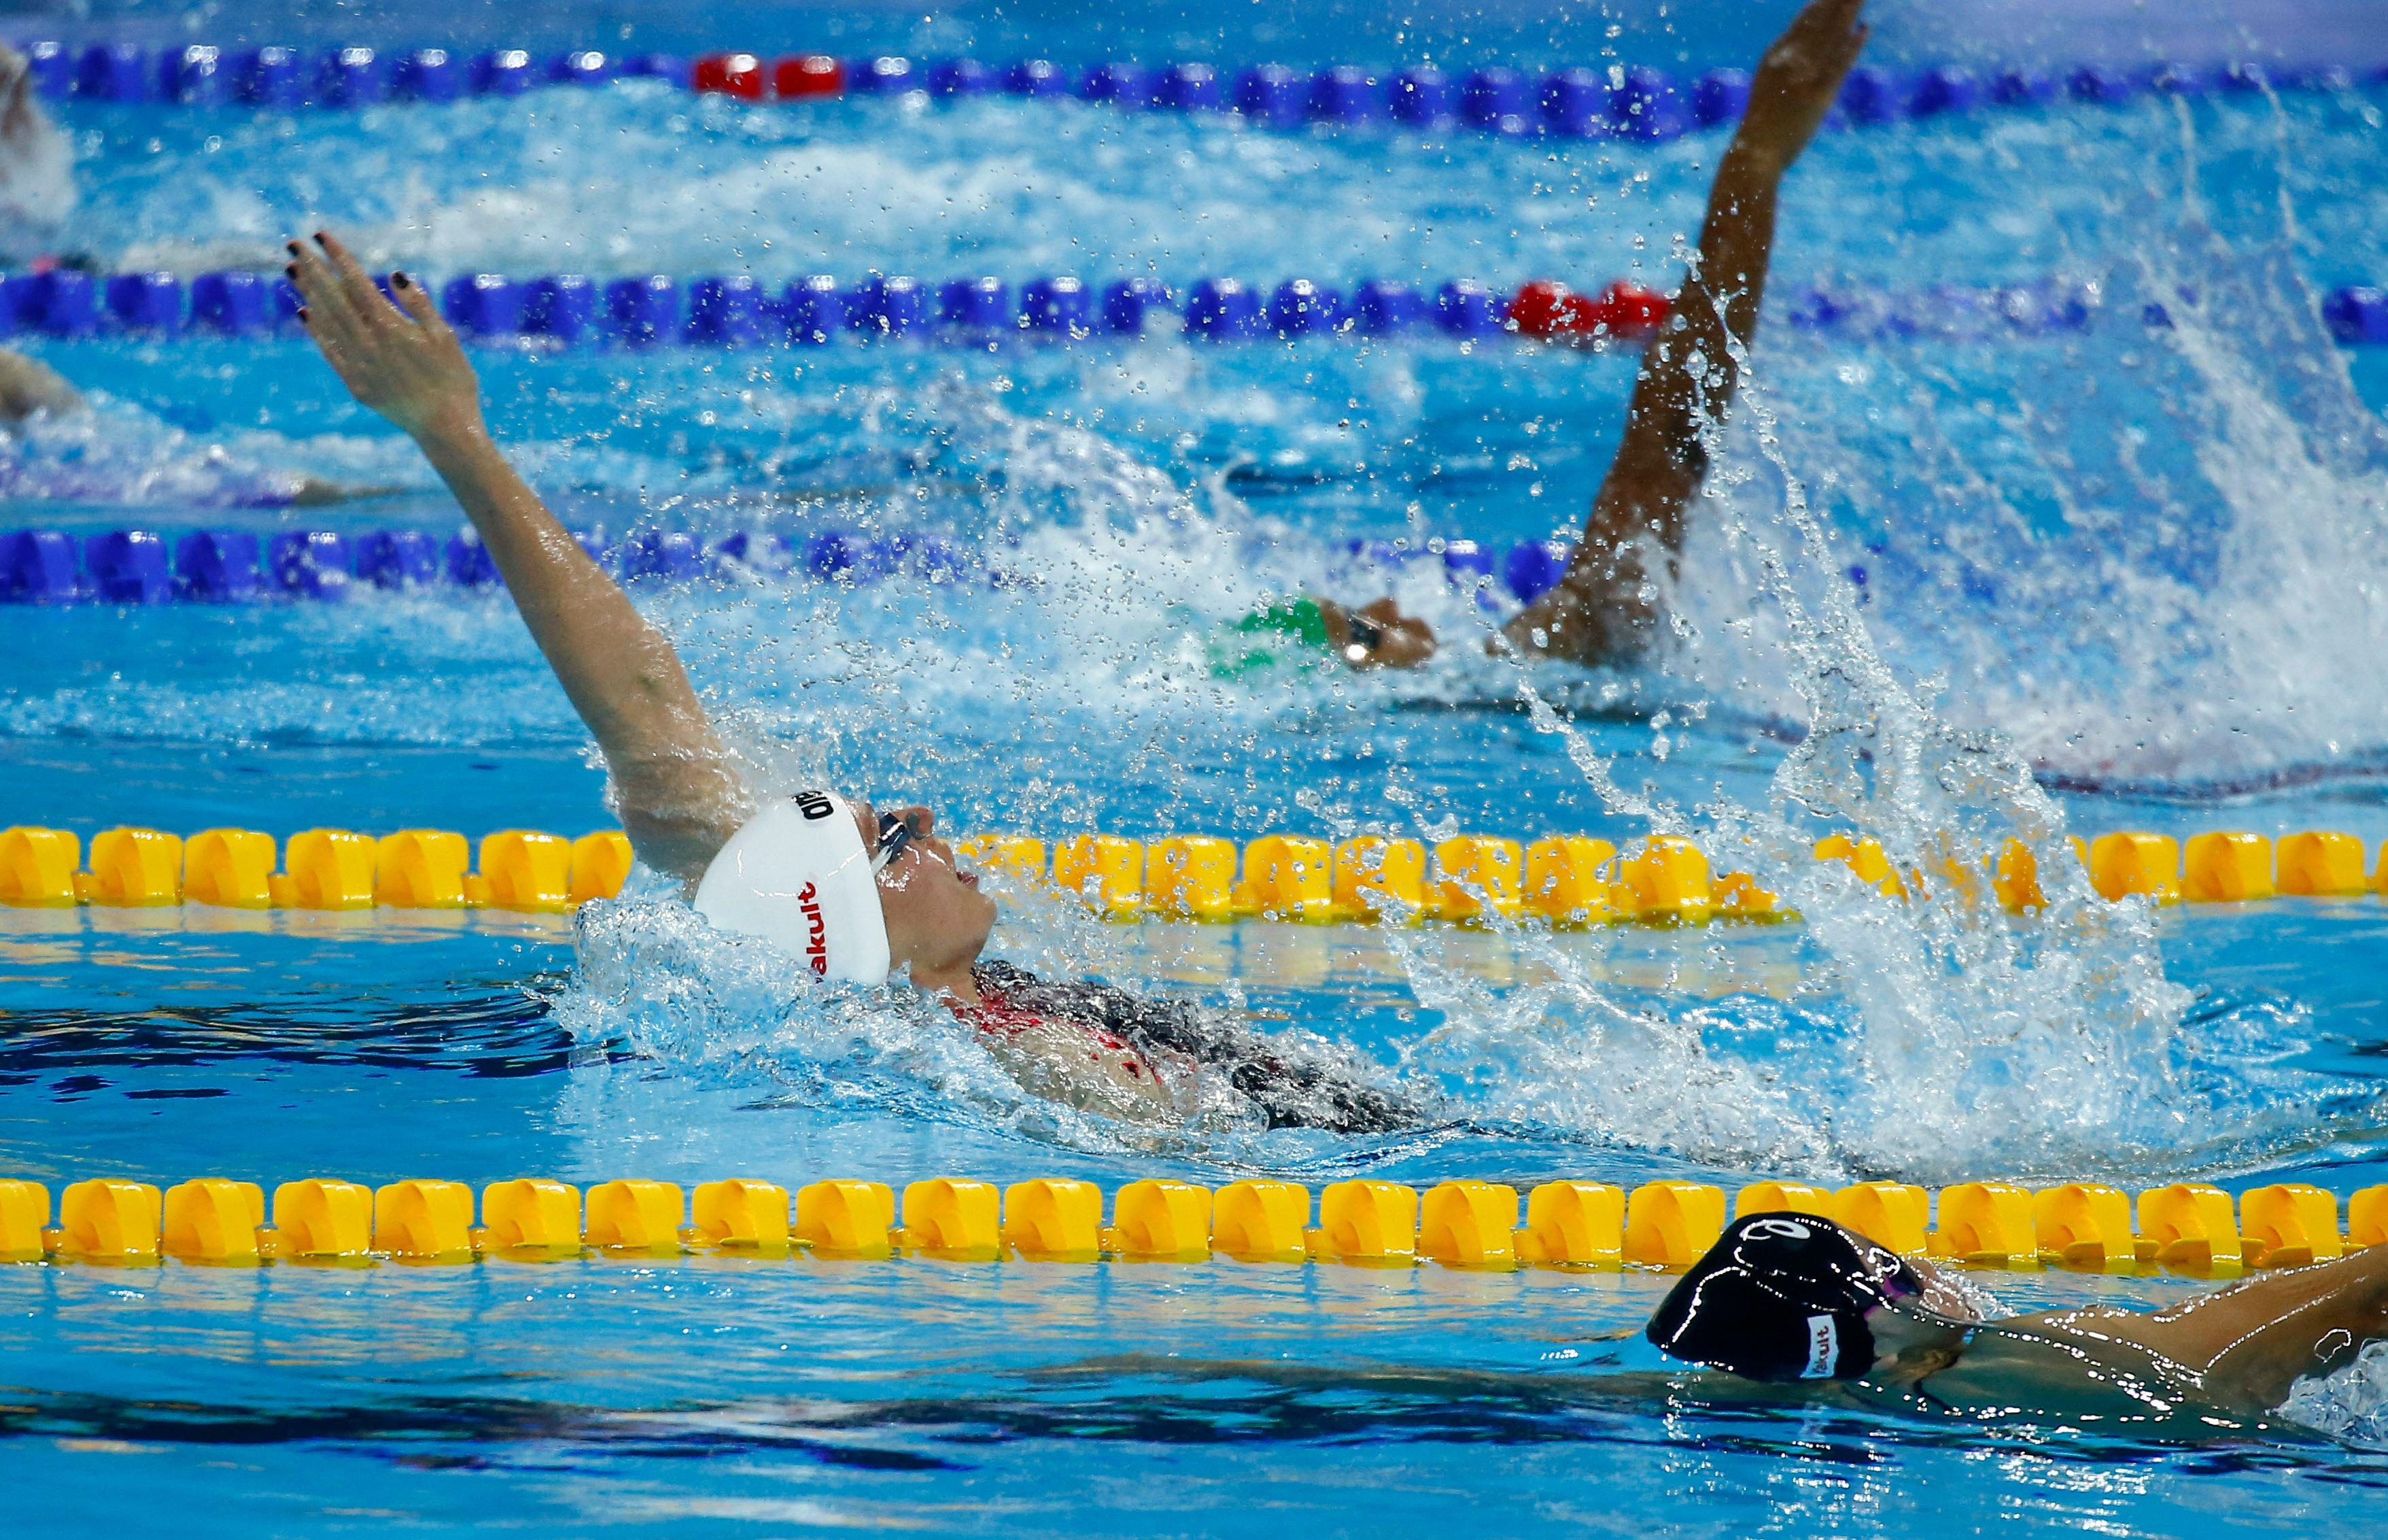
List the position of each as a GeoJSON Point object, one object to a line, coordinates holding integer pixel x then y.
{"type": "Point", "coordinates": [1290, 1088]}
{"type": "Point", "coordinates": [997, 1016]}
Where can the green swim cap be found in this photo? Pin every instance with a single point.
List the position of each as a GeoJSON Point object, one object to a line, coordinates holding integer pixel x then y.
{"type": "Point", "coordinates": [1297, 618]}
{"type": "Point", "coordinates": [1289, 630]}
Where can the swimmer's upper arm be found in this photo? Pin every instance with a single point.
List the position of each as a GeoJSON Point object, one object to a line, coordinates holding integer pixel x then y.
{"type": "Point", "coordinates": [677, 790]}
{"type": "Point", "coordinates": [2253, 1341]}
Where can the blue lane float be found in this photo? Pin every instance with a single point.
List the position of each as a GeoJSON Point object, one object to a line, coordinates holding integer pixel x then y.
{"type": "Point", "coordinates": [136, 567]}
{"type": "Point", "coordinates": [1599, 102]}
{"type": "Point", "coordinates": [738, 310]}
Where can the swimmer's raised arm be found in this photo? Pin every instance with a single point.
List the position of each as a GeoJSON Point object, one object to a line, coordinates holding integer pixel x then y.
{"type": "Point", "coordinates": [1603, 610]}
{"type": "Point", "coordinates": [680, 796]}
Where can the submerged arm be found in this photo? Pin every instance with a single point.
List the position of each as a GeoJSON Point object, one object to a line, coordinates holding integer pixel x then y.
{"type": "Point", "coordinates": [1604, 609]}
{"type": "Point", "coordinates": [2252, 1342]}
{"type": "Point", "coordinates": [680, 797]}
{"type": "Point", "coordinates": [2243, 1346]}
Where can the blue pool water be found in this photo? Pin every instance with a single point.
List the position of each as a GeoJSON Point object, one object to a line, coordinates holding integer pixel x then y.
{"type": "Point", "coordinates": [1952, 587]}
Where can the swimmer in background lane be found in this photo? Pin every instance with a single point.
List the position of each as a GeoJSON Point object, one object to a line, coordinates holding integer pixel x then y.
{"type": "Point", "coordinates": [37, 189]}
{"type": "Point", "coordinates": [30, 388]}
{"type": "Point", "coordinates": [29, 385]}
{"type": "Point", "coordinates": [1298, 630]}
{"type": "Point", "coordinates": [1787, 1298]}
{"type": "Point", "coordinates": [838, 887]}
{"type": "Point", "coordinates": [1606, 608]}
{"type": "Point", "coordinates": [37, 193]}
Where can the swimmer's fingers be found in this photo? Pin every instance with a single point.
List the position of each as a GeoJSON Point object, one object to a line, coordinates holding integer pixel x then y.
{"type": "Point", "coordinates": [1799, 78]}
{"type": "Point", "coordinates": [416, 302]}
{"type": "Point", "coordinates": [401, 359]}
{"type": "Point", "coordinates": [329, 314]}
{"type": "Point", "coordinates": [364, 296]}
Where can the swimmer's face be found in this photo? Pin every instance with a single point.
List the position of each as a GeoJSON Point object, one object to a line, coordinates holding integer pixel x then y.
{"type": "Point", "coordinates": [937, 920]}
{"type": "Point", "coordinates": [1931, 1321]}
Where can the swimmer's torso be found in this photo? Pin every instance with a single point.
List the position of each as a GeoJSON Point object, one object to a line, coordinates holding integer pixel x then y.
{"type": "Point", "coordinates": [1127, 1041]}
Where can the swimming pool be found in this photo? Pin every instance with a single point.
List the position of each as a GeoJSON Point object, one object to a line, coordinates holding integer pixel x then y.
{"type": "Point", "coordinates": [2140, 561]}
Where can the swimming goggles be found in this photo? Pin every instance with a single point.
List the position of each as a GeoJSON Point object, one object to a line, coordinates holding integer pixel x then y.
{"type": "Point", "coordinates": [895, 838]}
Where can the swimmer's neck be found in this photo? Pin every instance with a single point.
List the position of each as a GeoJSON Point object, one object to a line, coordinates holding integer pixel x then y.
{"type": "Point", "coordinates": [953, 985]}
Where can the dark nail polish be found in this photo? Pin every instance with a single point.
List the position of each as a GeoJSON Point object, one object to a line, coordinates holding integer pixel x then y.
{"type": "Point", "coordinates": [397, 280]}
{"type": "Point", "coordinates": [302, 312]}
{"type": "Point", "coordinates": [319, 238]}
{"type": "Point", "coordinates": [290, 269]}
{"type": "Point", "coordinates": [292, 248]}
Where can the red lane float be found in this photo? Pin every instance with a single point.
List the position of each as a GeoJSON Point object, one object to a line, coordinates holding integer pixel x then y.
{"type": "Point", "coordinates": [1547, 308]}
{"type": "Point", "coordinates": [808, 75]}
{"type": "Point", "coordinates": [738, 75]}
{"type": "Point", "coordinates": [748, 77]}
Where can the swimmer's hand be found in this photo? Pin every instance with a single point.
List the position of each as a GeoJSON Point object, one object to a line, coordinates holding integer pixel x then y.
{"type": "Point", "coordinates": [405, 364]}
{"type": "Point", "coordinates": [1377, 635]}
{"type": "Point", "coordinates": [1798, 81]}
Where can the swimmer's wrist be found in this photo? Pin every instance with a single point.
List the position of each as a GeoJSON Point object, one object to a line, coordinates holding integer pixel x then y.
{"type": "Point", "coordinates": [455, 426]}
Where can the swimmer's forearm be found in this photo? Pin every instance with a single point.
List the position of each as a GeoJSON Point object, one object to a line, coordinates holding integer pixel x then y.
{"type": "Point", "coordinates": [1721, 297]}
{"type": "Point", "coordinates": [1602, 609]}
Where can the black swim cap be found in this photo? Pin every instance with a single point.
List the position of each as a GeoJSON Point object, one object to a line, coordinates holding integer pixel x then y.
{"type": "Point", "coordinates": [1781, 1298]}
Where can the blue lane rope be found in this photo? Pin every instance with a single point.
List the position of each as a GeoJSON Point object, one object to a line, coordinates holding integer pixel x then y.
{"type": "Point", "coordinates": [731, 311]}
{"type": "Point", "coordinates": [1609, 102]}
{"type": "Point", "coordinates": [238, 566]}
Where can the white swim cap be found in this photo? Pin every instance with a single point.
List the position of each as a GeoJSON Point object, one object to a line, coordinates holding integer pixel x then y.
{"type": "Point", "coordinates": [797, 876]}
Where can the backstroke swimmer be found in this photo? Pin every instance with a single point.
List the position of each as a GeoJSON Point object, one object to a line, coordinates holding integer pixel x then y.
{"type": "Point", "coordinates": [1606, 608]}
{"type": "Point", "coordinates": [853, 893]}
{"type": "Point", "coordinates": [31, 388]}
{"type": "Point", "coordinates": [1787, 1298]}
{"type": "Point", "coordinates": [1790, 1303]}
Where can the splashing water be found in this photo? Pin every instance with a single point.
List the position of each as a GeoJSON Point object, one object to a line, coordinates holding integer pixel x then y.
{"type": "Point", "coordinates": [1960, 1039]}
{"type": "Point", "coordinates": [2151, 557]}
{"type": "Point", "coordinates": [2351, 1402]}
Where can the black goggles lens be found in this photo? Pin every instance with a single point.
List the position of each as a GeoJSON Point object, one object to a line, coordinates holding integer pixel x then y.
{"type": "Point", "coordinates": [895, 834]}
